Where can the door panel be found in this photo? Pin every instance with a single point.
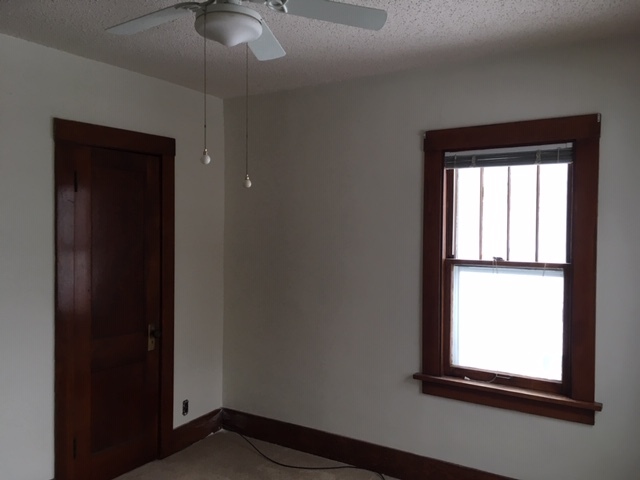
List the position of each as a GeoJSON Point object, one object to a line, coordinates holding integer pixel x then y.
{"type": "Point", "coordinates": [117, 244]}
{"type": "Point", "coordinates": [117, 411]}
{"type": "Point", "coordinates": [119, 430]}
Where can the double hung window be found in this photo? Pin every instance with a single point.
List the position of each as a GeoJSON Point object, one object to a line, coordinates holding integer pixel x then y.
{"type": "Point", "coordinates": [509, 266]}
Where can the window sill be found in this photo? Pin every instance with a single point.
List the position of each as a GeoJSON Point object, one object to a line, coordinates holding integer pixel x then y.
{"type": "Point", "coordinates": [510, 398]}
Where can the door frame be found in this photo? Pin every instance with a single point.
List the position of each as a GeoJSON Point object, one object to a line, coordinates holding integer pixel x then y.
{"type": "Point", "coordinates": [67, 132]}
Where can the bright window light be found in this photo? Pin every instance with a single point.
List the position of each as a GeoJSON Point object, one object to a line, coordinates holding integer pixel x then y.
{"type": "Point", "coordinates": [508, 320]}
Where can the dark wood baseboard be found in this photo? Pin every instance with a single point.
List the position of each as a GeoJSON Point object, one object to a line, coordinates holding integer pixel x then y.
{"type": "Point", "coordinates": [193, 431]}
{"type": "Point", "coordinates": [388, 461]}
{"type": "Point", "coordinates": [376, 458]}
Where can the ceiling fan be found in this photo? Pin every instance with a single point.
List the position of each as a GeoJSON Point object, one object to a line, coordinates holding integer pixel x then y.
{"type": "Point", "coordinates": [230, 23]}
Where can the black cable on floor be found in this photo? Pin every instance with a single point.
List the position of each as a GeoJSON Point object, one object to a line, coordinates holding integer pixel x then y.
{"type": "Point", "coordinates": [344, 467]}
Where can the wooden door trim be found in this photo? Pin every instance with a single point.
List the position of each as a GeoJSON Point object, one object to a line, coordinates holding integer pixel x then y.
{"type": "Point", "coordinates": [167, 303]}
{"type": "Point", "coordinates": [114, 138]}
{"type": "Point", "coordinates": [68, 132]}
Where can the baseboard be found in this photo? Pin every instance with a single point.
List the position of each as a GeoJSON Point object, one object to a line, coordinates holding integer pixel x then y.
{"type": "Point", "coordinates": [385, 460]}
{"type": "Point", "coordinates": [194, 431]}
{"type": "Point", "coordinates": [388, 461]}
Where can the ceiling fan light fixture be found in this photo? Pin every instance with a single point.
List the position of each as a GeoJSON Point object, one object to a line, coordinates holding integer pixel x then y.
{"type": "Point", "coordinates": [229, 24]}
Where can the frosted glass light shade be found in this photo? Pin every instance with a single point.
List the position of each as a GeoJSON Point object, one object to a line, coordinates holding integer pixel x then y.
{"type": "Point", "coordinates": [229, 26]}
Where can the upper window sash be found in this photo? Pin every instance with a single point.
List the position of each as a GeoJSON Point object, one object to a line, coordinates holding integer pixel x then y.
{"type": "Point", "coordinates": [510, 157]}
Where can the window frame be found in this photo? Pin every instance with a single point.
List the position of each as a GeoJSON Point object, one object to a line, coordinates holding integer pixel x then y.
{"type": "Point", "coordinates": [574, 399]}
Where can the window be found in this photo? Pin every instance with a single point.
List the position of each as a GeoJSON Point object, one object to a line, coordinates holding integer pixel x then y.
{"type": "Point", "coordinates": [509, 259]}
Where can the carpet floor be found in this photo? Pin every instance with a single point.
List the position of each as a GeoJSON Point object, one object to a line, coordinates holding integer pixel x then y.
{"type": "Point", "coordinates": [226, 456]}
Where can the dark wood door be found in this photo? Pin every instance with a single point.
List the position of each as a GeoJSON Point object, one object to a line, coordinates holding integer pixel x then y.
{"type": "Point", "coordinates": [114, 285]}
{"type": "Point", "coordinates": [124, 288]}
{"type": "Point", "coordinates": [116, 307]}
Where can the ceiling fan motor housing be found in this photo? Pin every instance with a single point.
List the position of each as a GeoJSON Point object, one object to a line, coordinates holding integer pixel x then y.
{"type": "Point", "coordinates": [229, 24]}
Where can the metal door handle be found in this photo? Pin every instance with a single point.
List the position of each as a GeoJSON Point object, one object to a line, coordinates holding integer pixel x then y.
{"type": "Point", "coordinates": [153, 333]}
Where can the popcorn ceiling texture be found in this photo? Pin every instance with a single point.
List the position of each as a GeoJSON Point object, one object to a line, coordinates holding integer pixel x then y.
{"type": "Point", "coordinates": [418, 33]}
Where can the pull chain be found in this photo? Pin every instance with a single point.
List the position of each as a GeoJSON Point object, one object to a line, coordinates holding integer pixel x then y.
{"type": "Point", "coordinates": [247, 180]}
{"type": "Point", "coordinates": [205, 159]}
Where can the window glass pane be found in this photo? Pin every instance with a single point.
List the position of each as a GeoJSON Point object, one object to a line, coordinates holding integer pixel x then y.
{"type": "Point", "coordinates": [522, 230]}
{"type": "Point", "coordinates": [468, 214]}
{"type": "Point", "coordinates": [494, 213]}
{"type": "Point", "coordinates": [508, 320]}
{"type": "Point", "coordinates": [552, 245]}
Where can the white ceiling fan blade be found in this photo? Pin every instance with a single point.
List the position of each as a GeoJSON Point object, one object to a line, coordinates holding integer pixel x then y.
{"type": "Point", "coordinates": [266, 46]}
{"type": "Point", "coordinates": [153, 19]}
{"type": "Point", "coordinates": [343, 13]}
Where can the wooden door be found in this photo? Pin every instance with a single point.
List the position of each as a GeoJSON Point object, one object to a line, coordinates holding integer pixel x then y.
{"type": "Point", "coordinates": [112, 216]}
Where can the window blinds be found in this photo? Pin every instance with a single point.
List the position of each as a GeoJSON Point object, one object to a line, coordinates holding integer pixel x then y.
{"type": "Point", "coordinates": [502, 157]}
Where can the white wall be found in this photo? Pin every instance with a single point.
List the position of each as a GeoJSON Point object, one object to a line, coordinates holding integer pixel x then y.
{"type": "Point", "coordinates": [37, 84]}
{"type": "Point", "coordinates": [322, 256]}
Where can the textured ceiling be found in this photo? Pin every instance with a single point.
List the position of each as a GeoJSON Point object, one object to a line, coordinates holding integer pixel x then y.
{"type": "Point", "coordinates": [418, 33]}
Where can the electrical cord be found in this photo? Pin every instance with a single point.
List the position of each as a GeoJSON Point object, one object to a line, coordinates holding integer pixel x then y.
{"type": "Point", "coordinates": [340, 467]}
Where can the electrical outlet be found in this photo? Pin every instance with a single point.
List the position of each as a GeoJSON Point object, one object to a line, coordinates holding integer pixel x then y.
{"type": "Point", "coordinates": [185, 407]}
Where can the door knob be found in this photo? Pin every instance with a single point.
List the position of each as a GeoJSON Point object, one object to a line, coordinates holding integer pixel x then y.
{"type": "Point", "coordinates": [153, 333]}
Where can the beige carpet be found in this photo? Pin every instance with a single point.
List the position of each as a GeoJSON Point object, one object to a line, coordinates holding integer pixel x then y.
{"type": "Point", "coordinates": [225, 456]}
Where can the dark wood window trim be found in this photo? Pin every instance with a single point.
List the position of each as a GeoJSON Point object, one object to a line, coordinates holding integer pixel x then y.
{"type": "Point", "coordinates": [574, 399]}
